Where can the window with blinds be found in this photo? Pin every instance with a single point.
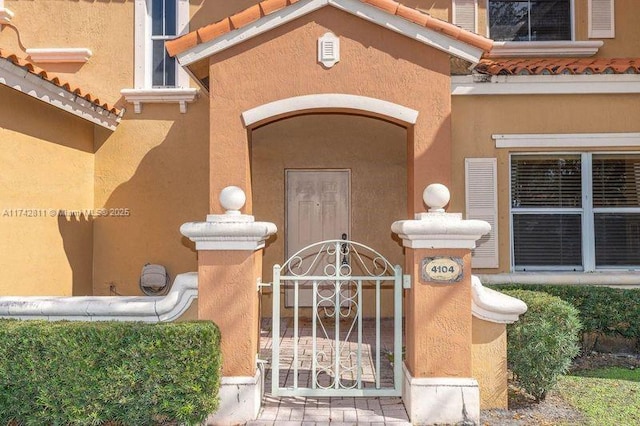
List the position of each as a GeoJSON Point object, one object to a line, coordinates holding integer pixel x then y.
{"type": "Point", "coordinates": [575, 212]}
{"type": "Point", "coordinates": [530, 20]}
{"type": "Point", "coordinates": [546, 205]}
{"type": "Point", "coordinates": [616, 208]}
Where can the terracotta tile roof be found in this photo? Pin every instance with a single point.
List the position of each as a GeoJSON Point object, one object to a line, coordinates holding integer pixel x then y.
{"type": "Point", "coordinates": [559, 66]}
{"type": "Point", "coordinates": [51, 78]}
{"type": "Point", "coordinates": [267, 7]}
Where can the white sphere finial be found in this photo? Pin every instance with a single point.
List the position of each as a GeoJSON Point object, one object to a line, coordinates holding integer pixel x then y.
{"type": "Point", "coordinates": [436, 196]}
{"type": "Point", "coordinates": [232, 199]}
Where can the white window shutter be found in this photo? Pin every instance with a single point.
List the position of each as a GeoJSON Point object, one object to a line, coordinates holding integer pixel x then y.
{"type": "Point", "coordinates": [481, 187]}
{"type": "Point", "coordinates": [601, 19]}
{"type": "Point", "coordinates": [465, 14]}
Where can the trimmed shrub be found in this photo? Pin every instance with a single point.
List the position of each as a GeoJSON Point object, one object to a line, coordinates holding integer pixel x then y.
{"type": "Point", "coordinates": [542, 344]}
{"type": "Point", "coordinates": [79, 373]}
{"type": "Point", "coordinates": [606, 310]}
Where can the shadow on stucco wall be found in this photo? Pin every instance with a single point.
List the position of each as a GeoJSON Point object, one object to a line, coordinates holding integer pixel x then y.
{"type": "Point", "coordinates": [151, 176]}
{"type": "Point", "coordinates": [76, 230]}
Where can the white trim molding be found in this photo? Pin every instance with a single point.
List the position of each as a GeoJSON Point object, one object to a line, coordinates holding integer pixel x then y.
{"type": "Point", "coordinates": [567, 140]}
{"type": "Point", "coordinates": [160, 96]}
{"type": "Point", "coordinates": [514, 49]}
{"type": "Point", "coordinates": [355, 7]}
{"type": "Point", "coordinates": [283, 107]}
{"type": "Point", "coordinates": [60, 55]}
{"type": "Point", "coordinates": [5, 15]}
{"type": "Point", "coordinates": [106, 308]}
{"type": "Point", "coordinates": [480, 84]}
{"type": "Point", "coordinates": [30, 84]}
{"type": "Point", "coordinates": [615, 279]}
{"type": "Point", "coordinates": [493, 306]}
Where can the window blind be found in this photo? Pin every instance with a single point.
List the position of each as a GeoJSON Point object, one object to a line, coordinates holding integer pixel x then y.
{"type": "Point", "coordinates": [546, 182]}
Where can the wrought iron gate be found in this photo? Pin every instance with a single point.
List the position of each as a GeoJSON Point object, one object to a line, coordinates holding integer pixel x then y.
{"type": "Point", "coordinates": [337, 351]}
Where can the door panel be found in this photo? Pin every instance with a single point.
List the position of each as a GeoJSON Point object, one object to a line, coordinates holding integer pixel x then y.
{"type": "Point", "coordinates": [317, 209]}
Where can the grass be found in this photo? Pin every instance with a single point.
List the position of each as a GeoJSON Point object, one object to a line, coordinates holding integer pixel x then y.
{"type": "Point", "coordinates": [606, 396]}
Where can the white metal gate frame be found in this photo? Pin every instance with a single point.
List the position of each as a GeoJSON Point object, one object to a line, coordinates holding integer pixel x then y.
{"type": "Point", "coordinates": [377, 270]}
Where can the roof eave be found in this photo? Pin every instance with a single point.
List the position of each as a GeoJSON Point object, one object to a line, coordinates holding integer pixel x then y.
{"type": "Point", "coordinates": [16, 77]}
{"type": "Point", "coordinates": [395, 23]}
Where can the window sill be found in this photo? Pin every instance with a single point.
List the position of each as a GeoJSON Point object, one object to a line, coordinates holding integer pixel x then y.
{"type": "Point", "coordinates": [502, 49]}
{"type": "Point", "coordinates": [159, 96]}
{"type": "Point", "coordinates": [619, 279]}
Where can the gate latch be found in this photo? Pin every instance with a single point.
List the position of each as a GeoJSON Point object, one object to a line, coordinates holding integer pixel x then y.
{"type": "Point", "coordinates": [260, 284]}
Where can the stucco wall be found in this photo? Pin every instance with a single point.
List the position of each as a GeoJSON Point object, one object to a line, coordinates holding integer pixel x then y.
{"type": "Point", "coordinates": [476, 118]}
{"type": "Point", "coordinates": [375, 63]}
{"type": "Point", "coordinates": [489, 362]}
{"type": "Point", "coordinates": [47, 165]}
{"type": "Point", "coordinates": [376, 153]}
{"type": "Point", "coordinates": [155, 164]}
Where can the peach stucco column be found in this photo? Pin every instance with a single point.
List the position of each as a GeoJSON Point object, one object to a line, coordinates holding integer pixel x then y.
{"type": "Point", "coordinates": [229, 268]}
{"type": "Point", "coordinates": [438, 387]}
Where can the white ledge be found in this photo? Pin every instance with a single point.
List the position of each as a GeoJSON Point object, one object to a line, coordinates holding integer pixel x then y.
{"type": "Point", "coordinates": [567, 140]}
{"type": "Point", "coordinates": [5, 15]}
{"type": "Point", "coordinates": [440, 230]}
{"type": "Point", "coordinates": [228, 232]}
{"type": "Point", "coordinates": [60, 55]}
{"type": "Point", "coordinates": [480, 84]}
{"type": "Point", "coordinates": [502, 49]}
{"type": "Point", "coordinates": [106, 308]}
{"type": "Point", "coordinates": [176, 95]}
{"type": "Point", "coordinates": [618, 279]}
{"type": "Point", "coordinates": [493, 306]}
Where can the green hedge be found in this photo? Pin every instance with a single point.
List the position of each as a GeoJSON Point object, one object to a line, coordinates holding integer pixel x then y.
{"type": "Point", "coordinates": [542, 344]}
{"type": "Point", "coordinates": [611, 311]}
{"type": "Point", "coordinates": [79, 373]}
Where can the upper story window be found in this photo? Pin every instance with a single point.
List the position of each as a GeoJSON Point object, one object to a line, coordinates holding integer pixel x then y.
{"type": "Point", "coordinates": [530, 20]}
{"type": "Point", "coordinates": [164, 23]}
{"type": "Point", "coordinates": [158, 78]}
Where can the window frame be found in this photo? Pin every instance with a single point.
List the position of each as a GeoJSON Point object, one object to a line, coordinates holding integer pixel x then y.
{"type": "Point", "coordinates": [572, 18]}
{"type": "Point", "coordinates": [144, 44]}
{"type": "Point", "coordinates": [587, 211]}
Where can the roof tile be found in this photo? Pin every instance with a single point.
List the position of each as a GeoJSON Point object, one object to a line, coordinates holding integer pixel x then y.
{"type": "Point", "coordinates": [266, 7]}
{"type": "Point", "coordinates": [559, 66]}
{"type": "Point", "coordinates": [53, 79]}
{"type": "Point", "coordinates": [245, 17]}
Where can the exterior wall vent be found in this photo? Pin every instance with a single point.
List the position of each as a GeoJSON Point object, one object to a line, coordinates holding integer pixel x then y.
{"type": "Point", "coordinates": [328, 50]}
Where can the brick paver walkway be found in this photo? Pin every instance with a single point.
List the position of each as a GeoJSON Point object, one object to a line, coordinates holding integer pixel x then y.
{"type": "Point", "coordinates": [323, 411]}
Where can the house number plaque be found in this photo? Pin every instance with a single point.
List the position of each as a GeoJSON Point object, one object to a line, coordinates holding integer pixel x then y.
{"type": "Point", "coordinates": [441, 269]}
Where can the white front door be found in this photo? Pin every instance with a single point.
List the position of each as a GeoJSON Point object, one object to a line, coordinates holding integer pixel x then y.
{"type": "Point", "coordinates": [317, 209]}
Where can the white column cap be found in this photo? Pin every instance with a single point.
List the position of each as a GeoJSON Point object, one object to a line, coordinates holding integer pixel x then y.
{"type": "Point", "coordinates": [437, 229]}
{"type": "Point", "coordinates": [229, 231]}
